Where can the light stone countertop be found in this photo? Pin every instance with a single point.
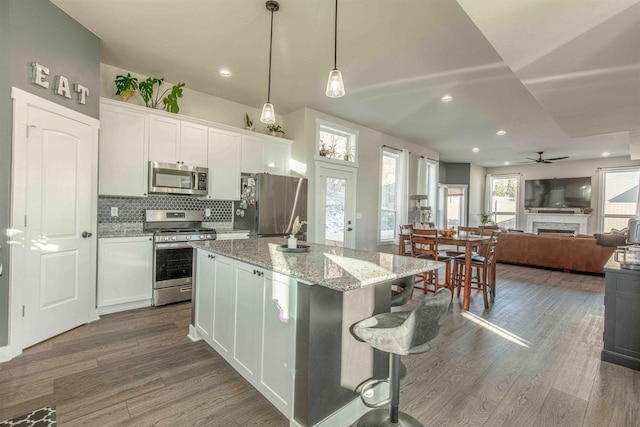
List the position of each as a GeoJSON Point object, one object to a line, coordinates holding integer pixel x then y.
{"type": "Point", "coordinates": [124, 229]}
{"type": "Point", "coordinates": [329, 266]}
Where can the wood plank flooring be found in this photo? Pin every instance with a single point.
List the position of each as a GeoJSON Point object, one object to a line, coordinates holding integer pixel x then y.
{"type": "Point", "coordinates": [532, 359]}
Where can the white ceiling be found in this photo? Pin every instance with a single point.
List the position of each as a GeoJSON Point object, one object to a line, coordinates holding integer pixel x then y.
{"type": "Point", "coordinates": [560, 76]}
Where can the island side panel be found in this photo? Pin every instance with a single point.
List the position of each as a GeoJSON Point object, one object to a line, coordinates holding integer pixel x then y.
{"type": "Point", "coordinates": [330, 362]}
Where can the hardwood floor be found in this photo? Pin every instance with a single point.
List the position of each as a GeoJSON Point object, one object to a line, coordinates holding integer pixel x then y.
{"type": "Point", "coordinates": [532, 359]}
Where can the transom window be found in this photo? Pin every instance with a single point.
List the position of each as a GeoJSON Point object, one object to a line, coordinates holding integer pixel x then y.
{"type": "Point", "coordinates": [336, 144]}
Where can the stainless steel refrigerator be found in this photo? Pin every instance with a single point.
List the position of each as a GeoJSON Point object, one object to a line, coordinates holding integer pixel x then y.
{"type": "Point", "coordinates": [269, 204]}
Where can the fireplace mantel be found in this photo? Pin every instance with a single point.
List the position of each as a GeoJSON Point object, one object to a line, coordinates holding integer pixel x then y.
{"type": "Point", "coordinates": [575, 222]}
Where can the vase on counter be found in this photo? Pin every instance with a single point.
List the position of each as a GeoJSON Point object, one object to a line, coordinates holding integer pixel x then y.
{"type": "Point", "coordinates": [292, 242]}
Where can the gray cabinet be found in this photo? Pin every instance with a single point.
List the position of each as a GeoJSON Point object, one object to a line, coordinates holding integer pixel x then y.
{"type": "Point", "coordinates": [622, 316]}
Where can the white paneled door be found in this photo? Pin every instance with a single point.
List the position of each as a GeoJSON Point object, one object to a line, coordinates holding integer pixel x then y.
{"type": "Point", "coordinates": [58, 254]}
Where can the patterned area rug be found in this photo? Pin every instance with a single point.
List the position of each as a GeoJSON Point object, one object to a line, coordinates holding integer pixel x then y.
{"type": "Point", "coordinates": [43, 417]}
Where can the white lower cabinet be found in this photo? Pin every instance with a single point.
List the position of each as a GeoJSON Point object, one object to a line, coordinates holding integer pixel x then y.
{"type": "Point", "coordinates": [248, 319]}
{"type": "Point", "coordinates": [204, 290]}
{"type": "Point", "coordinates": [223, 308]}
{"type": "Point", "coordinates": [125, 273]}
{"type": "Point", "coordinates": [277, 348]}
{"type": "Point", "coordinates": [248, 316]}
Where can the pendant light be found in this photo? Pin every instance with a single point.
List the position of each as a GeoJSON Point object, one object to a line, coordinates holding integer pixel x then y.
{"type": "Point", "coordinates": [335, 85]}
{"type": "Point", "coordinates": [268, 115]}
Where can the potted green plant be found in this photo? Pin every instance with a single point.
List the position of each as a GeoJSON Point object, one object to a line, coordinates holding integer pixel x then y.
{"type": "Point", "coordinates": [248, 121]}
{"type": "Point", "coordinates": [126, 86]}
{"type": "Point", "coordinates": [485, 218]}
{"type": "Point", "coordinates": [275, 130]}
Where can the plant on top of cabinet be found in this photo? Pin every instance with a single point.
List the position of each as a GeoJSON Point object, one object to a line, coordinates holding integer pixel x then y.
{"type": "Point", "coordinates": [126, 86]}
{"type": "Point", "coordinates": [147, 89]}
{"type": "Point", "coordinates": [248, 122]}
{"type": "Point", "coordinates": [275, 130]}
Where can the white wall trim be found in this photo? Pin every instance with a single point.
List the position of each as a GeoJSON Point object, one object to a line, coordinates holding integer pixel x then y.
{"type": "Point", "coordinates": [17, 258]}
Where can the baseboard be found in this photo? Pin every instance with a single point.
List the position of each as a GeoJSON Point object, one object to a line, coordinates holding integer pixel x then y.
{"type": "Point", "coordinates": [193, 334]}
{"type": "Point", "coordinates": [620, 359]}
{"type": "Point", "coordinates": [9, 352]}
{"type": "Point", "coordinates": [124, 306]}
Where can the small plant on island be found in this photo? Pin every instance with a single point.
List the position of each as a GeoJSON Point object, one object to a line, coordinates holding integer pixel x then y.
{"type": "Point", "coordinates": [297, 226]}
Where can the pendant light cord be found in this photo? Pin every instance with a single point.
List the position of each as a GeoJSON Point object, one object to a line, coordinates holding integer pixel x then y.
{"type": "Point", "coordinates": [335, 40]}
{"type": "Point", "coordinates": [270, 49]}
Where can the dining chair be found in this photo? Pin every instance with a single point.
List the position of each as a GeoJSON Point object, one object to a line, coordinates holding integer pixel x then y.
{"type": "Point", "coordinates": [484, 262]}
{"type": "Point", "coordinates": [406, 230]}
{"type": "Point", "coordinates": [424, 244]}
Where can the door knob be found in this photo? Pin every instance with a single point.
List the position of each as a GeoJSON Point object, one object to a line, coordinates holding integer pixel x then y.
{"type": "Point", "coordinates": [349, 229]}
{"type": "Point", "coordinates": [86, 234]}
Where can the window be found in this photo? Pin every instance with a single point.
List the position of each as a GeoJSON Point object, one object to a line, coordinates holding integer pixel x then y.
{"type": "Point", "coordinates": [335, 143]}
{"type": "Point", "coordinates": [428, 185]}
{"type": "Point", "coordinates": [619, 197]}
{"type": "Point", "coordinates": [390, 193]}
{"type": "Point", "coordinates": [453, 205]}
{"type": "Point", "coordinates": [503, 202]}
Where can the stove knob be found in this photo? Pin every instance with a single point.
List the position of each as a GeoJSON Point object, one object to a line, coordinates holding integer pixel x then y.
{"type": "Point", "coordinates": [165, 238]}
{"type": "Point", "coordinates": [209, 236]}
{"type": "Point", "coordinates": [174, 238]}
{"type": "Point", "coordinates": [188, 237]}
{"type": "Point", "coordinates": [202, 236]}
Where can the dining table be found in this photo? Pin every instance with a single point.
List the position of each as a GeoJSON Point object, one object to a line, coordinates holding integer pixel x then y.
{"type": "Point", "coordinates": [469, 242]}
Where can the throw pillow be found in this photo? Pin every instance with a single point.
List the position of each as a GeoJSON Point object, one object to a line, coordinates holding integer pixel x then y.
{"type": "Point", "coordinates": [610, 239]}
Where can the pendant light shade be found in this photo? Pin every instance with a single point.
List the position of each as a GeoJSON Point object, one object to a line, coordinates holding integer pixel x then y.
{"type": "Point", "coordinates": [268, 115]}
{"type": "Point", "coordinates": [335, 85]}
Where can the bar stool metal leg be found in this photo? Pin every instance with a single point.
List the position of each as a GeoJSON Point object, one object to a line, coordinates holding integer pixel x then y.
{"type": "Point", "coordinates": [391, 416]}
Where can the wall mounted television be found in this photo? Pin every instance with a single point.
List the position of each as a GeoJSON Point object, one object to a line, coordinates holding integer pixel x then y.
{"type": "Point", "coordinates": [557, 193]}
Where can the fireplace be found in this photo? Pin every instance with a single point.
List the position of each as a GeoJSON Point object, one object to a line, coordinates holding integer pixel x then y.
{"type": "Point", "coordinates": [556, 230]}
{"type": "Point", "coordinates": [557, 223]}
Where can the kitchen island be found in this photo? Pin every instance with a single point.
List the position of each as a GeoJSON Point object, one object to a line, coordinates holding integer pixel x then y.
{"type": "Point", "coordinates": [282, 320]}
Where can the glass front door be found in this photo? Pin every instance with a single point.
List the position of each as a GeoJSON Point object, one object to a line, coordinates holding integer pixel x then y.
{"type": "Point", "coordinates": [336, 201]}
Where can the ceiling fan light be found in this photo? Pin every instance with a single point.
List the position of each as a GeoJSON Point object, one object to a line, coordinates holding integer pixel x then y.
{"type": "Point", "coordinates": [335, 85]}
{"type": "Point", "coordinates": [268, 115]}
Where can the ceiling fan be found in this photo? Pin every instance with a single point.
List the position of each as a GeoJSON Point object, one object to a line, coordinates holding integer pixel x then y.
{"type": "Point", "coordinates": [541, 160]}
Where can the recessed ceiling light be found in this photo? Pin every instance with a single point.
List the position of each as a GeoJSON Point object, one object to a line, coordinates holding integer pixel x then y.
{"type": "Point", "coordinates": [606, 154]}
{"type": "Point", "coordinates": [225, 73]}
{"type": "Point", "coordinates": [446, 98]}
{"type": "Point", "coordinates": [501, 132]}
{"type": "Point", "coordinates": [475, 149]}
{"type": "Point", "coordinates": [507, 163]}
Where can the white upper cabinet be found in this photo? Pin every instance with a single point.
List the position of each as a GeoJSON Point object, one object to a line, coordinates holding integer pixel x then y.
{"type": "Point", "coordinates": [193, 144]}
{"type": "Point", "coordinates": [264, 154]}
{"type": "Point", "coordinates": [124, 152]}
{"type": "Point", "coordinates": [177, 141]}
{"type": "Point", "coordinates": [252, 154]}
{"type": "Point", "coordinates": [276, 157]}
{"type": "Point", "coordinates": [224, 153]}
{"type": "Point", "coordinates": [164, 139]}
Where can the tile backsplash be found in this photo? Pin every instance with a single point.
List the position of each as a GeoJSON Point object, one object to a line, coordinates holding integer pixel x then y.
{"type": "Point", "coordinates": [131, 209]}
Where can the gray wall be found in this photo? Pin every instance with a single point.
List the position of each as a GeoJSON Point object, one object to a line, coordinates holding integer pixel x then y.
{"type": "Point", "coordinates": [455, 173]}
{"type": "Point", "coordinates": [37, 31]}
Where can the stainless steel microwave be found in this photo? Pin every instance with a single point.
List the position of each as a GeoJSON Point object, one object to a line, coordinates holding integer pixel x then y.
{"type": "Point", "coordinates": [169, 178]}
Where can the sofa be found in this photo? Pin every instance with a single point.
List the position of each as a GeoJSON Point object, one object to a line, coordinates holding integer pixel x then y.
{"type": "Point", "coordinates": [553, 250]}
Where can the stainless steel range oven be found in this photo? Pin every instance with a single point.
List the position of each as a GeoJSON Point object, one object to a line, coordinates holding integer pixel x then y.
{"type": "Point", "coordinates": [173, 256]}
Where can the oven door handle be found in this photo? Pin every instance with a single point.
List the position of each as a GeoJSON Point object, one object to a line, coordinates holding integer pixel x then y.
{"type": "Point", "coordinates": [173, 245]}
